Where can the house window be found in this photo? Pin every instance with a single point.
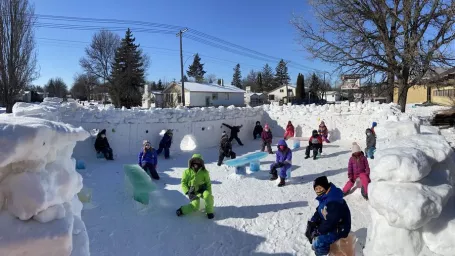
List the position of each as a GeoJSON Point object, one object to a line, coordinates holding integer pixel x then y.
{"type": "Point", "coordinates": [214, 96]}
{"type": "Point", "coordinates": [281, 90]}
{"type": "Point", "coordinates": [227, 96]}
{"type": "Point", "coordinates": [289, 90]}
{"type": "Point", "coordinates": [179, 98]}
{"type": "Point", "coordinates": [271, 97]}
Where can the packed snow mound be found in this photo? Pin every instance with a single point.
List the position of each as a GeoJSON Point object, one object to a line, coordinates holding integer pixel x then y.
{"type": "Point", "coordinates": [38, 183]}
{"type": "Point", "coordinates": [419, 205]}
{"type": "Point", "coordinates": [383, 239]}
{"type": "Point", "coordinates": [401, 164]}
{"type": "Point", "coordinates": [391, 130]}
{"type": "Point", "coordinates": [426, 129]}
{"type": "Point", "coordinates": [439, 234]}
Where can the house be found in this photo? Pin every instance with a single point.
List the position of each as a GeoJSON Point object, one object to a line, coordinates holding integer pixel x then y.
{"type": "Point", "coordinates": [203, 95]}
{"type": "Point", "coordinates": [332, 96]}
{"type": "Point", "coordinates": [254, 99]}
{"type": "Point", "coordinates": [280, 93]}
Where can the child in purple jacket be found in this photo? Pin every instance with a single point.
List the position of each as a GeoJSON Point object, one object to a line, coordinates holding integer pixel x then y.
{"type": "Point", "coordinates": [283, 161]}
{"type": "Point", "coordinates": [358, 168]}
{"type": "Point", "coordinates": [267, 138]}
{"type": "Point", "coordinates": [148, 159]}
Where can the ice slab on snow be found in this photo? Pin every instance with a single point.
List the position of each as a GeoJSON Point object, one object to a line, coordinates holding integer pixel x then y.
{"type": "Point", "coordinates": [401, 164]}
{"type": "Point", "coordinates": [439, 234]}
{"type": "Point", "coordinates": [383, 239]}
{"type": "Point", "coordinates": [408, 205]}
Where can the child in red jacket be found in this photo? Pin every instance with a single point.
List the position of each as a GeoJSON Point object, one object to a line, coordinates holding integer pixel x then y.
{"type": "Point", "coordinates": [315, 144]}
{"type": "Point", "coordinates": [324, 132]}
{"type": "Point", "coordinates": [289, 131]}
{"type": "Point", "coordinates": [358, 168]}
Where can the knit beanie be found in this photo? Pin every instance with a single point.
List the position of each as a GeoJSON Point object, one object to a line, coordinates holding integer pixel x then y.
{"type": "Point", "coordinates": [266, 126]}
{"type": "Point", "coordinates": [145, 142]}
{"type": "Point", "coordinates": [355, 147]}
{"type": "Point", "coordinates": [321, 181]}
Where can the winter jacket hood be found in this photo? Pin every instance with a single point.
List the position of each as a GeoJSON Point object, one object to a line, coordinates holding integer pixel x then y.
{"type": "Point", "coordinates": [282, 143]}
{"type": "Point", "coordinates": [196, 158]}
{"type": "Point", "coordinates": [258, 128]}
{"type": "Point", "coordinates": [102, 132]}
{"type": "Point", "coordinates": [100, 142]}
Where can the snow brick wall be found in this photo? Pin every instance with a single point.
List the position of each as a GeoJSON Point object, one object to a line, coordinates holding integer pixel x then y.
{"type": "Point", "coordinates": [39, 211]}
{"type": "Point", "coordinates": [412, 182]}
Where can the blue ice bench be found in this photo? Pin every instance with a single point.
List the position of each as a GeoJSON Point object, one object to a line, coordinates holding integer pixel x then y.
{"type": "Point", "coordinates": [241, 162]}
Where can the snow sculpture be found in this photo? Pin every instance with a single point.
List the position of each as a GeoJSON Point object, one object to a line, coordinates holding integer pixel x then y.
{"type": "Point", "coordinates": [412, 183]}
{"type": "Point", "coordinates": [188, 143]}
{"type": "Point", "coordinates": [38, 187]}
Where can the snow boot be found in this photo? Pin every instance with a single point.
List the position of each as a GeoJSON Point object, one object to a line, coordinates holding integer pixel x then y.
{"type": "Point", "coordinates": [179, 212]}
{"type": "Point", "coordinates": [282, 183]}
{"type": "Point", "coordinates": [274, 175]}
{"type": "Point", "coordinates": [365, 195]}
{"type": "Point", "coordinates": [306, 157]}
{"type": "Point", "coordinates": [210, 216]}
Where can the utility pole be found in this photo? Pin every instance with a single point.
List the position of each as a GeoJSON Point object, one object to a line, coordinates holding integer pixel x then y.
{"type": "Point", "coordinates": [179, 34]}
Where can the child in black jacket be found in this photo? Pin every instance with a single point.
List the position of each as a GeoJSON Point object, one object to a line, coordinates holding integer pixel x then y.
{"type": "Point", "coordinates": [225, 149]}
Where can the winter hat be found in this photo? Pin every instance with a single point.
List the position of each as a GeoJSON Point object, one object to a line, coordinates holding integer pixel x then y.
{"type": "Point", "coordinates": [146, 142]}
{"type": "Point", "coordinates": [223, 133]}
{"type": "Point", "coordinates": [266, 126]}
{"type": "Point", "coordinates": [355, 148]}
{"type": "Point", "coordinates": [321, 181]}
{"type": "Point", "coordinates": [258, 123]}
{"type": "Point", "coordinates": [374, 124]}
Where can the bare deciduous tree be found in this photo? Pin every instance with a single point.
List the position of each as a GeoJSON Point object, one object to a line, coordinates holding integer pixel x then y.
{"type": "Point", "coordinates": [84, 86]}
{"type": "Point", "coordinates": [100, 54]}
{"type": "Point", "coordinates": [403, 39]}
{"type": "Point", "coordinates": [17, 49]}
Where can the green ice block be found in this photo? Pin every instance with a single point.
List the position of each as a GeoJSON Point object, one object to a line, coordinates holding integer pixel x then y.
{"type": "Point", "coordinates": [138, 183]}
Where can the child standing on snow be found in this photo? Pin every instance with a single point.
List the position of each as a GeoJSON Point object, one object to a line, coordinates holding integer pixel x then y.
{"type": "Point", "coordinates": [225, 149]}
{"type": "Point", "coordinates": [267, 137]}
{"type": "Point", "coordinates": [196, 184]}
{"type": "Point", "coordinates": [358, 168]}
{"type": "Point", "coordinates": [148, 159]}
{"type": "Point", "coordinates": [283, 161]}
{"type": "Point", "coordinates": [371, 143]}
{"type": "Point", "coordinates": [257, 130]}
{"type": "Point", "coordinates": [324, 132]}
{"type": "Point", "coordinates": [102, 145]}
{"type": "Point", "coordinates": [165, 144]}
{"type": "Point", "coordinates": [289, 133]}
{"type": "Point", "coordinates": [315, 144]}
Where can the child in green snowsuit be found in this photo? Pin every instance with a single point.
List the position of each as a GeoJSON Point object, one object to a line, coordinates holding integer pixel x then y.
{"type": "Point", "coordinates": [196, 184]}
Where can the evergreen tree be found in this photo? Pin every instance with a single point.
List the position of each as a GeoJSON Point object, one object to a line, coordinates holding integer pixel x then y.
{"type": "Point", "coordinates": [160, 85]}
{"type": "Point", "coordinates": [185, 78]}
{"type": "Point", "coordinates": [300, 89]}
{"type": "Point", "coordinates": [237, 77]}
{"type": "Point", "coordinates": [219, 82]}
{"type": "Point", "coordinates": [260, 85]}
{"type": "Point", "coordinates": [153, 86]}
{"type": "Point", "coordinates": [196, 70]}
{"type": "Point", "coordinates": [267, 78]}
{"type": "Point", "coordinates": [251, 81]}
{"type": "Point", "coordinates": [127, 73]}
{"type": "Point", "coordinates": [281, 73]}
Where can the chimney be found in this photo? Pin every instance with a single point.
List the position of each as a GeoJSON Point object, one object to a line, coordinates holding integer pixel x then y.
{"type": "Point", "coordinates": [222, 82]}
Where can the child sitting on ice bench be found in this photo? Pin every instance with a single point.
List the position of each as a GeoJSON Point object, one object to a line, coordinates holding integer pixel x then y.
{"type": "Point", "coordinates": [283, 161]}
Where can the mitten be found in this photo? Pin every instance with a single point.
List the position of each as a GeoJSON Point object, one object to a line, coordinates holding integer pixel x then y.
{"type": "Point", "coordinates": [202, 188]}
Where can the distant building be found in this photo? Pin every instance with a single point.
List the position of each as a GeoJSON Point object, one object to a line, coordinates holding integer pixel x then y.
{"type": "Point", "coordinates": [332, 96]}
{"type": "Point", "coordinates": [152, 98]}
{"type": "Point", "coordinates": [254, 99]}
{"type": "Point", "coordinates": [203, 95]}
{"type": "Point", "coordinates": [280, 93]}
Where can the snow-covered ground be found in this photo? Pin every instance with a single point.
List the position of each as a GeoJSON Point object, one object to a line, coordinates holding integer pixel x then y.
{"type": "Point", "coordinates": [252, 215]}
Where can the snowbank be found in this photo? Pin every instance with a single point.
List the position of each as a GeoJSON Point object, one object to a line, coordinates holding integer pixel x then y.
{"type": "Point", "coordinates": [38, 181]}
{"type": "Point", "coordinates": [412, 181]}
{"type": "Point", "coordinates": [126, 129]}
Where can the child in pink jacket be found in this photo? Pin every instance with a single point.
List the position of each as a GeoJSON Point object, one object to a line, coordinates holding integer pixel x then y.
{"type": "Point", "coordinates": [358, 168]}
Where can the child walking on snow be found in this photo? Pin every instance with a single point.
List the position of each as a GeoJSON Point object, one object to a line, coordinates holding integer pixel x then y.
{"type": "Point", "coordinates": [371, 143]}
{"type": "Point", "coordinates": [315, 144]}
{"type": "Point", "coordinates": [289, 133]}
{"type": "Point", "coordinates": [358, 168]}
{"type": "Point", "coordinates": [165, 144]}
{"type": "Point", "coordinates": [257, 130]}
{"type": "Point", "coordinates": [225, 149]}
{"type": "Point", "coordinates": [324, 132]}
{"type": "Point", "coordinates": [148, 159]}
{"type": "Point", "coordinates": [267, 139]}
{"type": "Point", "coordinates": [283, 161]}
{"type": "Point", "coordinates": [196, 184]}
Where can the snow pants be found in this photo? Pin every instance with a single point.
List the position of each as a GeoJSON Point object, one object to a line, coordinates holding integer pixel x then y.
{"type": "Point", "coordinates": [166, 151]}
{"type": "Point", "coordinates": [370, 152]}
{"type": "Point", "coordinates": [315, 148]}
{"type": "Point", "coordinates": [268, 145]}
{"type": "Point", "coordinates": [195, 204]}
{"type": "Point", "coordinates": [321, 244]}
{"type": "Point", "coordinates": [283, 170]}
{"type": "Point", "coordinates": [256, 135]}
{"type": "Point", "coordinates": [325, 138]}
{"type": "Point", "coordinates": [222, 155]}
{"type": "Point", "coordinates": [107, 152]}
{"type": "Point", "coordinates": [364, 179]}
{"type": "Point", "coordinates": [237, 139]}
{"type": "Point", "coordinates": [151, 170]}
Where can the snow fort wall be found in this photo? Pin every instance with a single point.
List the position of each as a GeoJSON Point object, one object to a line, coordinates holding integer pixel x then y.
{"type": "Point", "coordinates": [127, 128]}
{"type": "Point", "coordinates": [38, 187]}
{"type": "Point", "coordinates": [412, 182]}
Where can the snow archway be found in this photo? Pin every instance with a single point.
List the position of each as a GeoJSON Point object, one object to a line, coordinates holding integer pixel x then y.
{"type": "Point", "coordinates": [188, 143]}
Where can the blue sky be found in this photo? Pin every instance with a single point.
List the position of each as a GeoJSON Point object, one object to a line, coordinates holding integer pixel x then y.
{"type": "Point", "coordinates": [263, 26]}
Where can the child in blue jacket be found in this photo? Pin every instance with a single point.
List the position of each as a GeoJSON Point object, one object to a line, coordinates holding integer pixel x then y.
{"type": "Point", "coordinates": [283, 162]}
{"type": "Point", "coordinates": [148, 159]}
{"type": "Point", "coordinates": [332, 219]}
{"type": "Point", "coordinates": [165, 144]}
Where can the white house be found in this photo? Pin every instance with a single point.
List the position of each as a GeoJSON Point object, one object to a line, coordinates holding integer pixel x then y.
{"type": "Point", "coordinates": [204, 95]}
{"type": "Point", "coordinates": [332, 96]}
{"type": "Point", "coordinates": [280, 92]}
{"type": "Point", "coordinates": [152, 98]}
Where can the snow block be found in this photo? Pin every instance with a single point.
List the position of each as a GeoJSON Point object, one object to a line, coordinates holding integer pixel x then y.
{"type": "Point", "coordinates": [408, 205]}
{"type": "Point", "coordinates": [383, 239]}
{"type": "Point", "coordinates": [400, 164]}
{"type": "Point", "coordinates": [426, 129]}
{"type": "Point", "coordinates": [33, 238]}
{"type": "Point", "coordinates": [394, 129]}
{"type": "Point", "coordinates": [80, 164]}
{"type": "Point", "coordinates": [80, 238]}
{"type": "Point", "coordinates": [255, 166]}
{"type": "Point", "coordinates": [138, 183]}
{"type": "Point", "coordinates": [439, 234]}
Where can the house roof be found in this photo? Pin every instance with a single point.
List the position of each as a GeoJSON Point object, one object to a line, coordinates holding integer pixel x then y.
{"type": "Point", "coordinates": [291, 86]}
{"type": "Point", "coordinates": [254, 93]}
{"type": "Point", "coordinates": [197, 87]}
